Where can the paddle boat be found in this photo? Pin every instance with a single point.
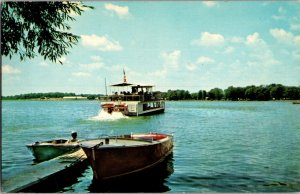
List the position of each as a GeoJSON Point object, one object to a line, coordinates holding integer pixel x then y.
{"type": "Point", "coordinates": [113, 157]}
{"type": "Point", "coordinates": [140, 100]}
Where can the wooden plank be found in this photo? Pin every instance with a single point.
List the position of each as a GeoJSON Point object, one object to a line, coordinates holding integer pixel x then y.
{"type": "Point", "coordinates": [37, 173]}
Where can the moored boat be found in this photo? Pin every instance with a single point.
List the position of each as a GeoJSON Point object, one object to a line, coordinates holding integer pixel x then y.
{"type": "Point", "coordinates": [113, 157]}
{"type": "Point", "coordinates": [140, 100]}
{"type": "Point", "coordinates": [296, 102]}
{"type": "Point", "coordinates": [46, 150]}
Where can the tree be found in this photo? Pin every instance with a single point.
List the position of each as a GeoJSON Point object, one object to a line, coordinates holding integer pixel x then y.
{"type": "Point", "coordinates": [276, 91]}
{"type": "Point", "coordinates": [216, 94]}
{"type": "Point", "coordinates": [251, 92]}
{"type": "Point", "coordinates": [201, 94]}
{"type": "Point", "coordinates": [292, 93]}
{"type": "Point", "coordinates": [234, 93]}
{"type": "Point", "coordinates": [30, 27]}
{"type": "Point", "coordinates": [194, 96]}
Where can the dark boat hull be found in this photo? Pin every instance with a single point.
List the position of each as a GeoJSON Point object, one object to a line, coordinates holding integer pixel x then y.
{"type": "Point", "coordinates": [147, 113]}
{"type": "Point", "coordinates": [118, 161]}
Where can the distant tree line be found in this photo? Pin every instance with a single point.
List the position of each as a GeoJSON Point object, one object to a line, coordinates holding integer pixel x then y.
{"type": "Point", "coordinates": [39, 95]}
{"type": "Point", "coordinates": [262, 92]}
{"type": "Point", "coordinates": [48, 95]}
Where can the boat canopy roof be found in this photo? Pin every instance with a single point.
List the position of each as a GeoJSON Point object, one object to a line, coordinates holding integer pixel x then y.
{"type": "Point", "coordinates": [142, 86]}
{"type": "Point", "coordinates": [132, 85]}
{"type": "Point", "coordinates": [121, 84]}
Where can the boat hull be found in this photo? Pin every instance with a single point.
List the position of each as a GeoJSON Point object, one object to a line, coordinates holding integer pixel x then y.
{"type": "Point", "coordinates": [134, 108]}
{"type": "Point", "coordinates": [147, 112]}
{"type": "Point", "coordinates": [116, 161]}
{"type": "Point", "coordinates": [45, 150]}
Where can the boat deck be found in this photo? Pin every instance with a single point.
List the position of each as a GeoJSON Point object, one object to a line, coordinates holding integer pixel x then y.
{"type": "Point", "coordinates": [40, 172]}
{"type": "Point", "coordinates": [116, 142]}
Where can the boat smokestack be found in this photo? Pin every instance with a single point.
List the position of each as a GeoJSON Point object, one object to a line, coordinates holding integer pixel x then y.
{"type": "Point", "coordinates": [124, 79]}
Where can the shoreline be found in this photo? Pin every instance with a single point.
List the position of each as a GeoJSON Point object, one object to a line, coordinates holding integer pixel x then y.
{"type": "Point", "coordinates": [61, 99]}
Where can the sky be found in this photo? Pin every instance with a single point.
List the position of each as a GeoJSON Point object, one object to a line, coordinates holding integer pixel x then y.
{"type": "Point", "coordinates": [188, 45]}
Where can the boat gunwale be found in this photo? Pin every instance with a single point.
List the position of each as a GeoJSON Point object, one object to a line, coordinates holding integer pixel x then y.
{"type": "Point", "coordinates": [53, 145]}
{"type": "Point", "coordinates": [147, 141]}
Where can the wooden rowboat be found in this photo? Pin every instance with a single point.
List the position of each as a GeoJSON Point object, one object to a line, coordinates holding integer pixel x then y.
{"type": "Point", "coordinates": [112, 157]}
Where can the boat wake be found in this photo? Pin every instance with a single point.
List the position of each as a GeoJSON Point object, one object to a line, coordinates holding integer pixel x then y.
{"type": "Point", "coordinates": [105, 116]}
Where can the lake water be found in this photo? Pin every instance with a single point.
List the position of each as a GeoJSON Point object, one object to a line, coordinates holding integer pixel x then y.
{"type": "Point", "coordinates": [218, 147]}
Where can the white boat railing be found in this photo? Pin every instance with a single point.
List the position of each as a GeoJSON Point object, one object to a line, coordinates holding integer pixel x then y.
{"type": "Point", "coordinates": [131, 97]}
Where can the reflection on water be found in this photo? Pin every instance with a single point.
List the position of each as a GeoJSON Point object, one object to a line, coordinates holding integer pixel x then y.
{"type": "Point", "coordinates": [59, 180]}
{"type": "Point", "coordinates": [151, 180]}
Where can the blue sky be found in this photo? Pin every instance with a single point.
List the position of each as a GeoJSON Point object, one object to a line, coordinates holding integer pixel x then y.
{"type": "Point", "coordinates": [172, 45]}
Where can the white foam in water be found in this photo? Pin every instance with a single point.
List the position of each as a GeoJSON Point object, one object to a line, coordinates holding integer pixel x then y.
{"type": "Point", "coordinates": [105, 116]}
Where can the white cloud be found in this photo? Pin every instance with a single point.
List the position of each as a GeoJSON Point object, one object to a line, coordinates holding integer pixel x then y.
{"type": "Point", "coordinates": [92, 66]}
{"type": "Point", "coordinates": [205, 60]}
{"type": "Point", "coordinates": [282, 36]}
{"type": "Point", "coordinates": [171, 63]}
{"type": "Point", "coordinates": [281, 14]}
{"type": "Point", "coordinates": [285, 37]}
{"type": "Point", "coordinates": [296, 54]}
{"type": "Point", "coordinates": [8, 69]}
{"type": "Point", "coordinates": [96, 63]}
{"type": "Point", "coordinates": [44, 64]}
{"type": "Point", "coordinates": [191, 66]}
{"type": "Point", "coordinates": [160, 73]}
{"type": "Point", "coordinates": [263, 57]}
{"type": "Point", "coordinates": [229, 49]}
{"type": "Point", "coordinates": [294, 26]}
{"type": "Point", "coordinates": [81, 74]}
{"type": "Point", "coordinates": [96, 58]}
{"type": "Point", "coordinates": [172, 58]}
{"type": "Point", "coordinates": [259, 51]}
{"type": "Point", "coordinates": [236, 39]}
{"type": "Point", "coordinates": [209, 39]}
{"type": "Point", "coordinates": [101, 43]}
{"type": "Point", "coordinates": [255, 40]}
{"type": "Point", "coordinates": [209, 3]}
{"type": "Point", "coordinates": [297, 40]}
{"type": "Point", "coordinates": [119, 10]}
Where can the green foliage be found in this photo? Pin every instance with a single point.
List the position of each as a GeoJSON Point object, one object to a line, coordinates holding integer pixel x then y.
{"type": "Point", "coordinates": [39, 95]}
{"type": "Point", "coordinates": [234, 93]}
{"type": "Point", "coordinates": [49, 95]}
{"type": "Point", "coordinates": [263, 92]}
{"type": "Point", "coordinates": [216, 94]}
{"type": "Point", "coordinates": [30, 27]}
{"type": "Point", "coordinates": [177, 95]}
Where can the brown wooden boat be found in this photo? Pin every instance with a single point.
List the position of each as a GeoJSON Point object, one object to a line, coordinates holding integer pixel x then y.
{"type": "Point", "coordinates": [113, 157]}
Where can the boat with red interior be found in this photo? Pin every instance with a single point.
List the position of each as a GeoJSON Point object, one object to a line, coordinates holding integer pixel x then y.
{"type": "Point", "coordinates": [116, 156]}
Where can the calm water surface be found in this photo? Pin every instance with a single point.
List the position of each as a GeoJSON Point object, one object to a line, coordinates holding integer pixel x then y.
{"type": "Point", "coordinates": [219, 146]}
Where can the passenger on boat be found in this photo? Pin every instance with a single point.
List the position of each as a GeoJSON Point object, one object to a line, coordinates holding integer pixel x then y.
{"type": "Point", "coordinates": [74, 136]}
{"type": "Point", "coordinates": [110, 110]}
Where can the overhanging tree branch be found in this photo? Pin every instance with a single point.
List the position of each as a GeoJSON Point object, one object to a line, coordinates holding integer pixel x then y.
{"type": "Point", "coordinates": [29, 28]}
